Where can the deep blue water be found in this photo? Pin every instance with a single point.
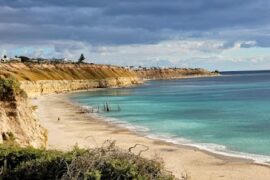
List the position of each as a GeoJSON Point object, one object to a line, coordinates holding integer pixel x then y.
{"type": "Point", "coordinates": [226, 113]}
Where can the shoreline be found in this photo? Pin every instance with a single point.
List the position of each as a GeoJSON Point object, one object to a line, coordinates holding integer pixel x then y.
{"type": "Point", "coordinates": [89, 131]}
{"type": "Point", "coordinates": [179, 141]}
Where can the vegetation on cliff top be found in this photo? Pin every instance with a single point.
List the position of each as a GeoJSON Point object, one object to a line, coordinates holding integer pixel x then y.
{"type": "Point", "coordinates": [9, 89]}
{"type": "Point", "coordinates": [107, 162]}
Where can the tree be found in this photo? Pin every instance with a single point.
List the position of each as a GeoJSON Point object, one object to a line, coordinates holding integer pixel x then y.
{"type": "Point", "coordinates": [24, 58]}
{"type": "Point", "coordinates": [81, 59]}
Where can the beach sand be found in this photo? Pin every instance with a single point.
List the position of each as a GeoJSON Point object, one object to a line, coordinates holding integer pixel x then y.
{"type": "Point", "coordinates": [78, 127]}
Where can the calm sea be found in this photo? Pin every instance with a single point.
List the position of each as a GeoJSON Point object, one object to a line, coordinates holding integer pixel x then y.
{"type": "Point", "coordinates": [229, 114]}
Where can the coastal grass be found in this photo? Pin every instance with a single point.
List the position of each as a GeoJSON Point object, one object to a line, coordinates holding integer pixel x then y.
{"type": "Point", "coordinates": [106, 162]}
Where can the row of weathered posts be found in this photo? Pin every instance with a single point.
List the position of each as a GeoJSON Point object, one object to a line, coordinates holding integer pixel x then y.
{"type": "Point", "coordinates": [106, 108]}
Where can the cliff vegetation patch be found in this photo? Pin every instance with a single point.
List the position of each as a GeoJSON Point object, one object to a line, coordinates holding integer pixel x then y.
{"type": "Point", "coordinates": [9, 89]}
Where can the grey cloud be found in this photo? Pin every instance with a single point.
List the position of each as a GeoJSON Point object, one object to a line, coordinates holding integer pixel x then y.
{"type": "Point", "coordinates": [132, 22]}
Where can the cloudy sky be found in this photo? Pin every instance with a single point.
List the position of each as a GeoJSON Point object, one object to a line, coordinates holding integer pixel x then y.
{"type": "Point", "coordinates": [213, 34]}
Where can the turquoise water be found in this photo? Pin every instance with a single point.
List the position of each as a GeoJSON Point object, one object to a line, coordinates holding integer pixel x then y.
{"type": "Point", "coordinates": [230, 113]}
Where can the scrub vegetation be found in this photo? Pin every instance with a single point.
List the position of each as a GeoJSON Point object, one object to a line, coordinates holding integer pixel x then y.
{"type": "Point", "coordinates": [106, 162]}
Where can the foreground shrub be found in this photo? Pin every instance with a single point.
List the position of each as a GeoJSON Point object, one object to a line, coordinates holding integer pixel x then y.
{"type": "Point", "coordinates": [107, 162]}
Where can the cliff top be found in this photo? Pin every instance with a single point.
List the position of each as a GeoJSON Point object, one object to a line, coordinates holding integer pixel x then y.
{"type": "Point", "coordinates": [35, 71]}
{"type": "Point", "coordinates": [71, 71]}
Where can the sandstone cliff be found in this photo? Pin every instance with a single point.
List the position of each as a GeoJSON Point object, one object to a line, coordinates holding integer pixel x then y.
{"type": "Point", "coordinates": [174, 73]}
{"type": "Point", "coordinates": [41, 87]}
{"type": "Point", "coordinates": [38, 79]}
{"type": "Point", "coordinates": [17, 122]}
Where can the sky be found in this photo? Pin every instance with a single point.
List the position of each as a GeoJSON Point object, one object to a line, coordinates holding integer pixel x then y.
{"type": "Point", "coordinates": [212, 34]}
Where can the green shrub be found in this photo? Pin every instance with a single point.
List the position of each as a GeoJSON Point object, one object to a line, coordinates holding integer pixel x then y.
{"type": "Point", "coordinates": [14, 155]}
{"type": "Point", "coordinates": [107, 162]}
{"type": "Point", "coordinates": [9, 89]}
{"type": "Point", "coordinates": [34, 108]}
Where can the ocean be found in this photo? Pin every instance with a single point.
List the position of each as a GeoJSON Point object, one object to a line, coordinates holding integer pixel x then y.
{"type": "Point", "coordinates": [229, 114]}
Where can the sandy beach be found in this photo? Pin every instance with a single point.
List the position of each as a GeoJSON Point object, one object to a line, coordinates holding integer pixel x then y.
{"type": "Point", "coordinates": [78, 127]}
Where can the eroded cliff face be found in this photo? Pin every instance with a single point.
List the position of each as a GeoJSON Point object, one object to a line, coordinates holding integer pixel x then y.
{"type": "Point", "coordinates": [42, 87]}
{"type": "Point", "coordinates": [17, 122]}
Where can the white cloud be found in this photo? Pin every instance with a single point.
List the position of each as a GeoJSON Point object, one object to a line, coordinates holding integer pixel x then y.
{"type": "Point", "coordinates": [210, 54]}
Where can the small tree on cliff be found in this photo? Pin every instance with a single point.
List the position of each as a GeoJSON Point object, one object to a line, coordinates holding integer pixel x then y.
{"type": "Point", "coordinates": [81, 59]}
{"type": "Point", "coordinates": [24, 58]}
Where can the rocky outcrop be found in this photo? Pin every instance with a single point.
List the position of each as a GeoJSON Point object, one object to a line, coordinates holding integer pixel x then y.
{"type": "Point", "coordinates": [17, 122]}
{"type": "Point", "coordinates": [37, 88]}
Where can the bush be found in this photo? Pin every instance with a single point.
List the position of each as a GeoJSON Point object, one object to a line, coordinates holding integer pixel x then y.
{"type": "Point", "coordinates": [107, 162]}
{"type": "Point", "coordinates": [9, 89]}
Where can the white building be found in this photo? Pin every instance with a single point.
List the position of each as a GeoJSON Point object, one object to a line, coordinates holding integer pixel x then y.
{"type": "Point", "coordinates": [5, 59]}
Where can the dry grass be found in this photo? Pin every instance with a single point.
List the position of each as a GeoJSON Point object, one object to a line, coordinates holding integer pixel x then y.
{"type": "Point", "coordinates": [34, 72]}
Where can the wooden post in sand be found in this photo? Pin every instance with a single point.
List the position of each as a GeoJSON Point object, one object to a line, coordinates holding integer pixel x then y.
{"type": "Point", "coordinates": [119, 109]}
{"type": "Point", "coordinates": [104, 107]}
{"type": "Point", "coordinates": [107, 107]}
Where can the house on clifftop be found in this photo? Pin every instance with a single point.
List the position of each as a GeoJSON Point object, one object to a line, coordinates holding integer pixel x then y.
{"type": "Point", "coordinates": [4, 59]}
